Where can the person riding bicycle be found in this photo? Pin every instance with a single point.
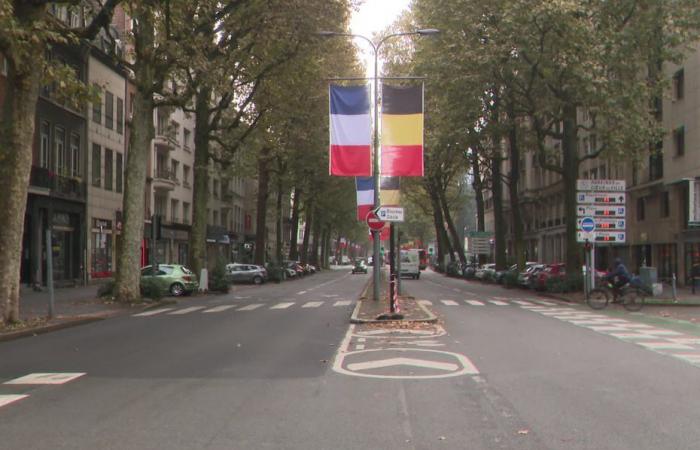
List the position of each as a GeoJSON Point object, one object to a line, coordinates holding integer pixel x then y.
{"type": "Point", "coordinates": [618, 277]}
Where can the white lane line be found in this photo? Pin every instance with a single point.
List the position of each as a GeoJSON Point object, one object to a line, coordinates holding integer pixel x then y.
{"type": "Point", "coordinates": [475, 302]}
{"type": "Point", "coordinates": [685, 341]}
{"type": "Point", "coordinates": [640, 326]}
{"type": "Point", "coordinates": [180, 312]}
{"type": "Point", "coordinates": [690, 357]}
{"type": "Point", "coordinates": [312, 304]}
{"type": "Point", "coordinates": [250, 307]}
{"type": "Point", "coordinates": [152, 312]}
{"type": "Point", "coordinates": [661, 332]}
{"type": "Point", "coordinates": [342, 303]}
{"type": "Point", "coordinates": [46, 378]}
{"type": "Point", "coordinates": [241, 298]}
{"type": "Point", "coordinates": [633, 336]}
{"type": "Point", "coordinates": [403, 361]}
{"type": "Point", "coordinates": [283, 305]}
{"type": "Point", "coordinates": [498, 303]}
{"type": "Point", "coordinates": [665, 346]}
{"type": "Point", "coordinates": [301, 292]}
{"type": "Point", "coordinates": [217, 309]}
{"type": "Point", "coordinates": [455, 289]}
{"type": "Point", "coordinates": [449, 302]}
{"type": "Point", "coordinates": [425, 302]}
{"type": "Point", "coordinates": [7, 399]}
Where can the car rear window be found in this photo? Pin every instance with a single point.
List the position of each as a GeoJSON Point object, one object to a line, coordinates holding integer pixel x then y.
{"type": "Point", "coordinates": [167, 269]}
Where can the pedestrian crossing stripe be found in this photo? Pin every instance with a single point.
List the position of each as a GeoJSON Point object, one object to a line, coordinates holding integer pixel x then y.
{"type": "Point", "coordinates": [250, 307]}
{"type": "Point", "coordinates": [449, 302]}
{"type": "Point", "coordinates": [425, 302]}
{"type": "Point", "coordinates": [475, 302]}
{"type": "Point", "coordinates": [153, 312]}
{"type": "Point", "coordinates": [7, 399]}
{"type": "Point", "coordinates": [665, 346]}
{"type": "Point", "coordinates": [47, 378]}
{"type": "Point", "coordinates": [219, 308]}
{"type": "Point", "coordinates": [283, 305]}
{"type": "Point", "coordinates": [312, 304]}
{"type": "Point", "coordinates": [186, 310]}
{"type": "Point", "coordinates": [342, 303]}
{"type": "Point", "coordinates": [498, 303]}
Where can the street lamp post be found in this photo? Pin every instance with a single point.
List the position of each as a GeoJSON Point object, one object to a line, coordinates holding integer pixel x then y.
{"type": "Point", "coordinates": [375, 142]}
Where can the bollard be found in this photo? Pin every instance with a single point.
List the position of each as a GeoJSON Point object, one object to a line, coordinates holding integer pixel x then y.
{"type": "Point", "coordinates": [673, 286]}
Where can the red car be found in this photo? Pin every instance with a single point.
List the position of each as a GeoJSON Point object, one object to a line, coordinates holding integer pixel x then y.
{"type": "Point", "coordinates": [539, 282]}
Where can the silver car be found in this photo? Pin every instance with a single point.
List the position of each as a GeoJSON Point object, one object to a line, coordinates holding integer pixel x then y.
{"type": "Point", "coordinates": [246, 273]}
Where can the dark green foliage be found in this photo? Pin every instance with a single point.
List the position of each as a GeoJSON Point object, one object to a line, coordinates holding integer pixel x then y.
{"type": "Point", "coordinates": [218, 281]}
{"type": "Point", "coordinates": [570, 283]}
{"type": "Point", "coordinates": [276, 273]}
{"type": "Point", "coordinates": [150, 288]}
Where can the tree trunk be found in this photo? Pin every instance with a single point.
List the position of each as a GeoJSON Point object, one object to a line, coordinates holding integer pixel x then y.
{"type": "Point", "coordinates": [499, 222]}
{"type": "Point", "coordinates": [293, 246]}
{"type": "Point", "coordinates": [263, 194]}
{"type": "Point", "coordinates": [16, 138]}
{"type": "Point", "coordinates": [570, 174]}
{"type": "Point", "coordinates": [313, 260]}
{"type": "Point", "coordinates": [325, 244]}
{"type": "Point", "coordinates": [515, 211]}
{"type": "Point", "coordinates": [478, 186]}
{"type": "Point", "coordinates": [200, 193]}
{"type": "Point", "coordinates": [127, 282]}
{"type": "Point", "coordinates": [278, 231]}
{"type": "Point", "coordinates": [443, 242]}
{"type": "Point", "coordinates": [456, 241]}
{"type": "Point", "coordinates": [307, 232]}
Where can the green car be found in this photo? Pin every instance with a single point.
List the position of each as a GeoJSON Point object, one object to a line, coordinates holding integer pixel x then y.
{"type": "Point", "coordinates": [174, 278]}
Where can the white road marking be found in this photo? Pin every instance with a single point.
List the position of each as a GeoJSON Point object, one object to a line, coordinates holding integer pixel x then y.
{"type": "Point", "coordinates": [633, 336]}
{"type": "Point", "coordinates": [329, 295]}
{"type": "Point", "coordinates": [390, 362]}
{"type": "Point", "coordinates": [690, 357]}
{"type": "Point", "coordinates": [301, 292]}
{"type": "Point", "coordinates": [7, 399]}
{"type": "Point", "coordinates": [46, 378]}
{"type": "Point", "coordinates": [685, 341]}
{"type": "Point", "coordinates": [449, 302]}
{"type": "Point", "coordinates": [661, 332]}
{"type": "Point", "coordinates": [312, 304]}
{"type": "Point", "coordinates": [498, 303]}
{"type": "Point", "coordinates": [455, 289]}
{"type": "Point", "coordinates": [639, 325]}
{"type": "Point", "coordinates": [180, 312]}
{"type": "Point", "coordinates": [342, 303]}
{"type": "Point", "coordinates": [425, 302]}
{"type": "Point", "coordinates": [361, 339]}
{"type": "Point", "coordinates": [241, 298]}
{"type": "Point", "coordinates": [584, 323]}
{"type": "Point", "coordinates": [546, 303]}
{"type": "Point", "coordinates": [153, 312]}
{"type": "Point", "coordinates": [250, 307]}
{"type": "Point", "coordinates": [219, 308]}
{"type": "Point", "coordinates": [360, 347]}
{"type": "Point", "coordinates": [607, 329]}
{"type": "Point", "coordinates": [475, 302]}
{"type": "Point", "coordinates": [665, 346]}
{"type": "Point", "coordinates": [283, 305]}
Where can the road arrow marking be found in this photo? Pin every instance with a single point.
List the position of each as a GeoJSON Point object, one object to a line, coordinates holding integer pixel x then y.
{"type": "Point", "coordinates": [449, 367]}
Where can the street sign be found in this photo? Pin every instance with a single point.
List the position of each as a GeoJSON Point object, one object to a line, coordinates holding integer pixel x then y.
{"type": "Point", "coordinates": [373, 221]}
{"type": "Point", "coordinates": [601, 185]}
{"type": "Point", "coordinates": [605, 198]}
{"type": "Point", "coordinates": [602, 224]}
{"type": "Point", "coordinates": [390, 213]}
{"type": "Point", "coordinates": [587, 224]}
{"type": "Point", "coordinates": [617, 237]}
{"type": "Point", "coordinates": [600, 211]}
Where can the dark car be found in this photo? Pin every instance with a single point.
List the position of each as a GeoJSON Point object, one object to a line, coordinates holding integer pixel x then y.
{"type": "Point", "coordinates": [359, 267]}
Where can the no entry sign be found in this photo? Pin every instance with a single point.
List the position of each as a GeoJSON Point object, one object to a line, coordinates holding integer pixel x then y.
{"type": "Point", "coordinates": [373, 221]}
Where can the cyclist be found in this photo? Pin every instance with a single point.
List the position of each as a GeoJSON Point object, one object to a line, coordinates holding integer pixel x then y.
{"type": "Point", "coordinates": [618, 277]}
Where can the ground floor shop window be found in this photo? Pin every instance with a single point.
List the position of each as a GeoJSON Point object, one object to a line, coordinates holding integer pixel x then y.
{"type": "Point", "coordinates": [667, 260]}
{"type": "Point", "coordinates": [692, 259]}
{"type": "Point", "coordinates": [182, 253]}
{"type": "Point", "coordinates": [101, 254]}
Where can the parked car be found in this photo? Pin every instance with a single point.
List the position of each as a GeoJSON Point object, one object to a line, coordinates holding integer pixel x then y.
{"type": "Point", "coordinates": [246, 273]}
{"type": "Point", "coordinates": [539, 281]}
{"type": "Point", "coordinates": [484, 271]}
{"type": "Point", "coordinates": [498, 275]}
{"type": "Point", "coordinates": [173, 278]}
{"type": "Point", "coordinates": [297, 267]}
{"type": "Point", "coordinates": [410, 264]}
{"type": "Point", "coordinates": [359, 267]}
{"type": "Point", "coordinates": [531, 270]}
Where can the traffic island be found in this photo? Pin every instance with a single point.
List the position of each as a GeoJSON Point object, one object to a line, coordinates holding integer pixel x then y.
{"type": "Point", "coordinates": [410, 309]}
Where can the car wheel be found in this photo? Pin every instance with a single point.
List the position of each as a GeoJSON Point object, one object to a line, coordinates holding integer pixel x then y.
{"type": "Point", "coordinates": [417, 276]}
{"type": "Point", "coordinates": [177, 289]}
{"type": "Point", "coordinates": [257, 280]}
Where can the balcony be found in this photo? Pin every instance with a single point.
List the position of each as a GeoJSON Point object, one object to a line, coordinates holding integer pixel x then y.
{"type": "Point", "coordinates": [164, 180]}
{"type": "Point", "coordinates": [59, 186]}
{"type": "Point", "coordinates": [163, 141]}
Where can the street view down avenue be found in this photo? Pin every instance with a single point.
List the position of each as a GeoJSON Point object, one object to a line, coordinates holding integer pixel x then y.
{"type": "Point", "coordinates": [350, 224]}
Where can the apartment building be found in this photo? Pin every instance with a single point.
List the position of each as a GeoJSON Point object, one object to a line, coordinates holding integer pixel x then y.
{"type": "Point", "coordinates": [660, 187]}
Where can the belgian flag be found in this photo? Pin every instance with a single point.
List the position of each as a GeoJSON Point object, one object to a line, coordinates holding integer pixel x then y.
{"type": "Point", "coordinates": [402, 131]}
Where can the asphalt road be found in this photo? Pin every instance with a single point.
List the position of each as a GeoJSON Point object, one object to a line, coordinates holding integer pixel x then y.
{"type": "Point", "coordinates": [279, 367]}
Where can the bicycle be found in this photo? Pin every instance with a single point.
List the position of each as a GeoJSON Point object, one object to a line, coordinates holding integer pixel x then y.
{"type": "Point", "coordinates": [631, 297]}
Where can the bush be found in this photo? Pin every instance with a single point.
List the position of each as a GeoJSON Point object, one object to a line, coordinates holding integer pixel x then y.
{"type": "Point", "coordinates": [454, 269]}
{"type": "Point", "coordinates": [218, 280]}
{"type": "Point", "coordinates": [106, 290]}
{"type": "Point", "coordinates": [276, 273]}
{"type": "Point", "coordinates": [570, 283]}
{"type": "Point", "coordinates": [489, 277]}
{"type": "Point", "coordinates": [510, 279]}
{"type": "Point", "coordinates": [152, 289]}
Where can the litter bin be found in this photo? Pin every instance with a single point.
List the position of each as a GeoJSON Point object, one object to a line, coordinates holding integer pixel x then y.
{"type": "Point", "coordinates": [649, 276]}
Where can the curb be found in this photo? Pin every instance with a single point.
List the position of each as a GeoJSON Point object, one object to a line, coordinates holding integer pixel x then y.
{"type": "Point", "coordinates": [49, 328]}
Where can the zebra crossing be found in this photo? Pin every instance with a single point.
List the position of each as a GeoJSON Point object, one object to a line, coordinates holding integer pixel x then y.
{"type": "Point", "coordinates": [285, 305]}
{"type": "Point", "coordinates": [36, 379]}
{"type": "Point", "coordinates": [484, 302]}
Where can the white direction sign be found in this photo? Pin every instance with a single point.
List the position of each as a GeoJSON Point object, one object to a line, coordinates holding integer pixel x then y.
{"type": "Point", "coordinates": [601, 185]}
{"type": "Point", "coordinates": [600, 211]}
{"type": "Point", "coordinates": [390, 213]}
{"type": "Point", "coordinates": [604, 198]}
{"type": "Point", "coordinates": [599, 236]}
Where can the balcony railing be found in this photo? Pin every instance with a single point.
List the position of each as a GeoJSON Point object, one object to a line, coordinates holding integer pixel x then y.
{"type": "Point", "coordinates": [58, 185]}
{"type": "Point", "coordinates": [165, 174]}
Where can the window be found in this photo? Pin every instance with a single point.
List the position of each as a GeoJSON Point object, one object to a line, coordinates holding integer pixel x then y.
{"type": "Point", "coordinates": [679, 141]}
{"type": "Point", "coordinates": [161, 205]}
{"type": "Point", "coordinates": [97, 106]}
{"type": "Point", "coordinates": [215, 217]}
{"type": "Point", "coordinates": [120, 115]}
{"type": "Point", "coordinates": [109, 110]}
{"type": "Point", "coordinates": [641, 203]}
{"type": "Point", "coordinates": [186, 138]}
{"type": "Point", "coordinates": [215, 188]}
{"type": "Point", "coordinates": [678, 85]}
{"type": "Point", "coordinates": [656, 162]}
{"type": "Point", "coordinates": [96, 165]}
{"type": "Point", "coordinates": [185, 212]}
{"type": "Point", "coordinates": [60, 150]}
{"type": "Point", "coordinates": [175, 166]}
{"type": "Point", "coordinates": [186, 176]}
{"type": "Point", "coordinates": [174, 206]}
{"type": "Point", "coordinates": [665, 204]}
{"type": "Point", "coordinates": [109, 169]}
{"type": "Point", "coordinates": [120, 173]}
{"type": "Point", "coordinates": [45, 149]}
{"type": "Point", "coordinates": [75, 155]}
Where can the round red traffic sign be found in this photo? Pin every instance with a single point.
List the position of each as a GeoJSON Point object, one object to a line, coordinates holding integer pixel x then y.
{"type": "Point", "coordinates": [373, 221]}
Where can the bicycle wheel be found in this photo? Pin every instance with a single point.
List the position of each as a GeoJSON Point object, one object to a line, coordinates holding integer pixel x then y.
{"type": "Point", "coordinates": [633, 299]}
{"type": "Point", "coordinates": [597, 298]}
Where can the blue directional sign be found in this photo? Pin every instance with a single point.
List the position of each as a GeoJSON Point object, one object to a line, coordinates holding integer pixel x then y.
{"type": "Point", "coordinates": [587, 224]}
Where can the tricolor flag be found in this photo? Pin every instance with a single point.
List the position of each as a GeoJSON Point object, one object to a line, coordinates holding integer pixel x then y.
{"type": "Point", "coordinates": [350, 131]}
{"type": "Point", "coordinates": [365, 196]}
{"type": "Point", "coordinates": [402, 131]}
{"type": "Point", "coordinates": [389, 192]}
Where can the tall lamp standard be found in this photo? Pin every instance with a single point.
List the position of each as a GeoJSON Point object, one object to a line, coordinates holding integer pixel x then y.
{"type": "Point", "coordinates": [375, 142]}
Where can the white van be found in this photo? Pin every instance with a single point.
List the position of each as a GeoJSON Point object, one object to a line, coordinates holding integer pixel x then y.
{"type": "Point", "coordinates": [410, 263]}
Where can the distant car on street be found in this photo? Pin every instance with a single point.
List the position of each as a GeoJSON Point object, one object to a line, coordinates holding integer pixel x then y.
{"type": "Point", "coordinates": [359, 267]}
{"type": "Point", "coordinates": [246, 273]}
{"type": "Point", "coordinates": [173, 278]}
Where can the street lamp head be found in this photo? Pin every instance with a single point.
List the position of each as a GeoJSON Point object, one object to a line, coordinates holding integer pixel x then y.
{"type": "Point", "coordinates": [428, 31]}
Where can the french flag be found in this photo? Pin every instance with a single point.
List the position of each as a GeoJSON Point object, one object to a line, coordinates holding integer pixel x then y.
{"type": "Point", "coordinates": [365, 196]}
{"type": "Point", "coordinates": [350, 132]}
